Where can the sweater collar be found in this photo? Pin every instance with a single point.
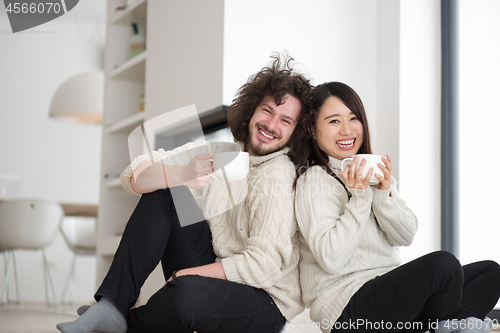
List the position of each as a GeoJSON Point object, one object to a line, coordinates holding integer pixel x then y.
{"type": "Point", "coordinates": [255, 161]}
{"type": "Point", "coordinates": [335, 163]}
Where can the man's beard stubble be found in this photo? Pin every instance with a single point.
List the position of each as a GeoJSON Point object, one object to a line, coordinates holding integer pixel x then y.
{"type": "Point", "coordinates": [257, 149]}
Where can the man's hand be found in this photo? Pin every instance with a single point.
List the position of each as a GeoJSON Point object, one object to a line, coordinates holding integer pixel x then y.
{"type": "Point", "coordinates": [197, 173]}
{"type": "Point", "coordinates": [213, 270]}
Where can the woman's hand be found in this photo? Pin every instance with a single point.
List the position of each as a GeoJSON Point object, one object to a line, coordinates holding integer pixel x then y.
{"type": "Point", "coordinates": [353, 178]}
{"type": "Point", "coordinates": [385, 182]}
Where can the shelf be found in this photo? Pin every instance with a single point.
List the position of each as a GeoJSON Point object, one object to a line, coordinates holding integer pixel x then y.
{"type": "Point", "coordinates": [132, 69]}
{"type": "Point", "coordinates": [126, 125]}
{"type": "Point", "coordinates": [138, 11]}
{"type": "Point", "coordinates": [107, 245]}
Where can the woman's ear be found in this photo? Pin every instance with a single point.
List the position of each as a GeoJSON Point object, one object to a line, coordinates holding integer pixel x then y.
{"type": "Point", "coordinates": [311, 129]}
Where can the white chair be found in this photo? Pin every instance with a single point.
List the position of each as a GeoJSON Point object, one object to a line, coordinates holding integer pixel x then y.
{"type": "Point", "coordinates": [29, 224]}
{"type": "Point", "coordinates": [80, 236]}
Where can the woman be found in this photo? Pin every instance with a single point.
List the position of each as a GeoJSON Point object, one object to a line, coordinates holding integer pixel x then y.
{"type": "Point", "coordinates": [350, 232]}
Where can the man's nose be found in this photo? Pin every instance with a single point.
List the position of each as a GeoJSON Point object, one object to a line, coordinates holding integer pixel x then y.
{"type": "Point", "coordinates": [273, 123]}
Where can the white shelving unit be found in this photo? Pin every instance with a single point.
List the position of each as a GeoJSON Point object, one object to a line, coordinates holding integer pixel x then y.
{"type": "Point", "coordinates": [182, 65]}
{"type": "Point", "coordinates": [125, 83]}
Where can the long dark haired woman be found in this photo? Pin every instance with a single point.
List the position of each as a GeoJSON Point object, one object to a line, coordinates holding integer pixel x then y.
{"type": "Point", "coordinates": [351, 231]}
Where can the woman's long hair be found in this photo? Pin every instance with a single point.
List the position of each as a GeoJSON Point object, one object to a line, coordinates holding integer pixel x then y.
{"type": "Point", "coordinates": [350, 99]}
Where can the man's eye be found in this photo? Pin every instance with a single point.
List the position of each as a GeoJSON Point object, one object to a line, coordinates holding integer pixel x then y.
{"type": "Point", "coordinates": [286, 121]}
{"type": "Point", "coordinates": [267, 111]}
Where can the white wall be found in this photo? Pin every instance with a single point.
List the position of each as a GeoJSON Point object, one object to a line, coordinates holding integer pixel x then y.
{"type": "Point", "coordinates": [385, 125]}
{"type": "Point", "coordinates": [479, 116]}
{"type": "Point", "coordinates": [419, 124]}
{"type": "Point", "coordinates": [329, 40]}
{"type": "Point", "coordinates": [55, 160]}
{"type": "Point", "coordinates": [388, 51]}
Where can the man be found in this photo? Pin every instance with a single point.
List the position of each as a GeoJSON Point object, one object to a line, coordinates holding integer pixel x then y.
{"type": "Point", "coordinates": [238, 271]}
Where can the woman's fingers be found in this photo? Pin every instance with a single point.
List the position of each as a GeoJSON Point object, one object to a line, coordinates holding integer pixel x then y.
{"type": "Point", "coordinates": [388, 163]}
{"type": "Point", "coordinates": [359, 172]}
{"type": "Point", "coordinates": [345, 173]}
{"type": "Point", "coordinates": [386, 168]}
{"type": "Point", "coordinates": [368, 176]}
{"type": "Point", "coordinates": [385, 171]}
{"type": "Point", "coordinates": [353, 176]}
{"type": "Point", "coordinates": [352, 168]}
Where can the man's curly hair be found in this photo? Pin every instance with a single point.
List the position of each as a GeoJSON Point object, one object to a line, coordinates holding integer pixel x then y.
{"type": "Point", "coordinates": [276, 80]}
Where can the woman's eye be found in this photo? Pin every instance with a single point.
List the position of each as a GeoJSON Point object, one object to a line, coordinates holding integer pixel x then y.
{"type": "Point", "coordinates": [354, 118]}
{"type": "Point", "coordinates": [334, 121]}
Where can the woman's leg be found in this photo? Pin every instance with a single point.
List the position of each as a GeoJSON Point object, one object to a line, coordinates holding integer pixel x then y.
{"type": "Point", "coordinates": [153, 234]}
{"type": "Point", "coordinates": [409, 298]}
{"type": "Point", "coordinates": [196, 303]}
{"type": "Point", "coordinates": [481, 289]}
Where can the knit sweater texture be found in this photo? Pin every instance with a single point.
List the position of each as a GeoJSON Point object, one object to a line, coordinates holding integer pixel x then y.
{"type": "Point", "coordinates": [257, 239]}
{"type": "Point", "coordinates": [345, 243]}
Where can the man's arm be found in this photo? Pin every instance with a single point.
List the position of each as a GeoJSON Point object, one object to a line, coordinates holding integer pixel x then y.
{"type": "Point", "coordinates": [151, 176]}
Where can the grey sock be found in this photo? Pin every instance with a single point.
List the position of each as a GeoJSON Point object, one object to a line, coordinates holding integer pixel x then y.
{"type": "Point", "coordinates": [101, 317]}
{"type": "Point", "coordinates": [82, 309]}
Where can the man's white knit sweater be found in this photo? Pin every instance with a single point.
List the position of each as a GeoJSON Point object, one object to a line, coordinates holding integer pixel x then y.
{"type": "Point", "coordinates": [342, 244]}
{"type": "Point", "coordinates": [257, 240]}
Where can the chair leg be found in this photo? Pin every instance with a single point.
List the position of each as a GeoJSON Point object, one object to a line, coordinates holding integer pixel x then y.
{"type": "Point", "coordinates": [48, 281]}
{"type": "Point", "coordinates": [5, 295]}
{"type": "Point", "coordinates": [15, 277]}
{"type": "Point", "coordinates": [6, 258]}
{"type": "Point", "coordinates": [70, 283]}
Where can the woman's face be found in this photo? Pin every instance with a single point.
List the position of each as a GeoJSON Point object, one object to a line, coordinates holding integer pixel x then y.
{"type": "Point", "coordinates": [338, 131]}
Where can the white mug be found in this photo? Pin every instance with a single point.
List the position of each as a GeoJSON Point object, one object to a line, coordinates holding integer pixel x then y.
{"type": "Point", "coordinates": [371, 162]}
{"type": "Point", "coordinates": [234, 163]}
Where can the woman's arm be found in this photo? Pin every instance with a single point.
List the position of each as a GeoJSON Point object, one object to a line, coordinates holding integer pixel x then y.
{"type": "Point", "coordinates": [393, 216]}
{"type": "Point", "coordinates": [331, 225]}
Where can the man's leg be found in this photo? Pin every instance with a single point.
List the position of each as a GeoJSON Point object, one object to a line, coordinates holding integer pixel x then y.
{"type": "Point", "coordinates": [153, 233]}
{"type": "Point", "coordinates": [196, 303]}
{"type": "Point", "coordinates": [408, 298]}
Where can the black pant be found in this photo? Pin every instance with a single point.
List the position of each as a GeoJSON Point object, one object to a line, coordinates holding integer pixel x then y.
{"type": "Point", "coordinates": [188, 303]}
{"type": "Point", "coordinates": [414, 296]}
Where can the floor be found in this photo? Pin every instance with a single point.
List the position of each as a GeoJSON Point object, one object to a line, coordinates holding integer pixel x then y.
{"type": "Point", "coordinates": [33, 317]}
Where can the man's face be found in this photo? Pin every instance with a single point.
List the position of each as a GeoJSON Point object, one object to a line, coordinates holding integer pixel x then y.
{"type": "Point", "coordinates": [272, 125]}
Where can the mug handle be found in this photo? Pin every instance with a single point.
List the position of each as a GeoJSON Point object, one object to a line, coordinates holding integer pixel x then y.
{"type": "Point", "coordinates": [345, 160]}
